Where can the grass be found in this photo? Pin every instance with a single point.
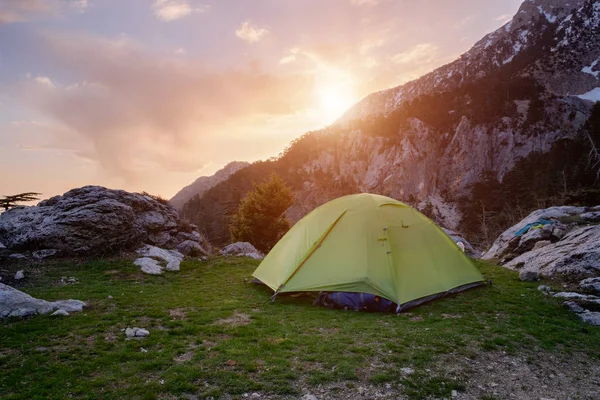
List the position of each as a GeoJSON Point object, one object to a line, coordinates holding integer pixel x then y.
{"type": "Point", "coordinates": [212, 333]}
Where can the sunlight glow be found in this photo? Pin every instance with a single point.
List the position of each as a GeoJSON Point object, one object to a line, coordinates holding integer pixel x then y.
{"type": "Point", "coordinates": [334, 94]}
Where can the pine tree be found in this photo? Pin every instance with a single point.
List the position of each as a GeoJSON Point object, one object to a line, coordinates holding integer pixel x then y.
{"type": "Point", "coordinates": [7, 202]}
{"type": "Point", "coordinates": [259, 219]}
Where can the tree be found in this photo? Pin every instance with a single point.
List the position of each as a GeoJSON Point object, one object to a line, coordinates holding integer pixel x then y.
{"type": "Point", "coordinates": [7, 202]}
{"type": "Point", "coordinates": [259, 218]}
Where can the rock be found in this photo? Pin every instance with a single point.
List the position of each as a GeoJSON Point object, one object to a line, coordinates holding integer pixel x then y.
{"type": "Point", "coordinates": [591, 217]}
{"type": "Point", "coordinates": [109, 296]}
{"type": "Point", "coordinates": [68, 280]}
{"type": "Point", "coordinates": [592, 318]}
{"type": "Point", "coordinates": [60, 312]}
{"type": "Point", "coordinates": [129, 333]}
{"type": "Point", "coordinates": [173, 258]}
{"type": "Point", "coordinates": [242, 249]}
{"type": "Point", "coordinates": [14, 303]}
{"type": "Point", "coordinates": [530, 239]}
{"type": "Point", "coordinates": [136, 333]}
{"type": "Point", "coordinates": [576, 254]}
{"type": "Point", "coordinates": [458, 238]}
{"type": "Point", "coordinates": [590, 286]}
{"type": "Point", "coordinates": [505, 244]}
{"type": "Point", "coordinates": [18, 256]}
{"type": "Point", "coordinates": [541, 243]}
{"type": "Point", "coordinates": [42, 254]}
{"type": "Point", "coordinates": [407, 371]}
{"type": "Point", "coordinates": [149, 266]}
{"type": "Point", "coordinates": [141, 333]}
{"type": "Point", "coordinates": [191, 248]}
{"type": "Point", "coordinates": [454, 394]}
{"type": "Point", "coordinates": [573, 307]}
{"type": "Point", "coordinates": [309, 397]}
{"type": "Point", "coordinates": [2, 246]}
{"type": "Point", "coordinates": [19, 275]}
{"type": "Point", "coordinates": [91, 220]}
{"type": "Point", "coordinates": [529, 276]}
{"type": "Point", "coordinates": [544, 289]}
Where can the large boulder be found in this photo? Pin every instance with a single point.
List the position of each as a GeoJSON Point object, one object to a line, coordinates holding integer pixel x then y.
{"type": "Point", "coordinates": [509, 246]}
{"type": "Point", "coordinates": [93, 220]}
{"type": "Point", "coordinates": [172, 259]}
{"type": "Point", "coordinates": [242, 249]}
{"type": "Point", "coordinates": [14, 303]}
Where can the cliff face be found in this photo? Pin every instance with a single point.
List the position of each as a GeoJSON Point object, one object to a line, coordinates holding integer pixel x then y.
{"type": "Point", "coordinates": [517, 92]}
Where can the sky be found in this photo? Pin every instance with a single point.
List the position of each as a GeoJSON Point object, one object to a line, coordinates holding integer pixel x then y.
{"type": "Point", "coordinates": [148, 95]}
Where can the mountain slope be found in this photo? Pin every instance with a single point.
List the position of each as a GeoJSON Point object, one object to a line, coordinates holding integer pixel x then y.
{"type": "Point", "coordinates": [204, 183]}
{"type": "Point", "coordinates": [512, 98]}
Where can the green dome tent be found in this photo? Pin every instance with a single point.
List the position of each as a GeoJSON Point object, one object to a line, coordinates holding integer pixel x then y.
{"type": "Point", "coordinates": [367, 243]}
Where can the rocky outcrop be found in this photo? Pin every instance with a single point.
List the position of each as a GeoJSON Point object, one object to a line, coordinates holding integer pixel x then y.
{"type": "Point", "coordinates": [14, 303]}
{"type": "Point", "coordinates": [204, 183]}
{"type": "Point", "coordinates": [567, 245]}
{"type": "Point", "coordinates": [93, 220]}
{"type": "Point", "coordinates": [458, 238]}
{"type": "Point", "coordinates": [242, 249]}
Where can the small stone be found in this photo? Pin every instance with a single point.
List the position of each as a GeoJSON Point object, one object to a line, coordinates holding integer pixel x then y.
{"type": "Point", "coordinates": [129, 333]}
{"type": "Point", "coordinates": [309, 397]}
{"type": "Point", "coordinates": [388, 386]}
{"type": "Point", "coordinates": [544, 289]}
{"type": "Point", "coordinates": [254, 395]}
{"type": "Point", "coordinates": [407, 371]}
{"type": "Point", "coordinates": [20, 275]}
{"type": "Point", "coordinates": [361, 390]}
{"type": "Point", "coordinates": [60, 312]}
{"type": "Point", "coordinates": [143, 350]}
{"type": "Point", "coordinates": [592, 318]}
{"type": "Point", "coordinates": [231, 363]}
{"type": "Point", "coordinates": [574, 307]}
{"type": "Point", "coordinates": [109, 296]}
{"type": "Point", "coordinates": [529, 276]}
{"type": "Point", "coordinates": [162, 381]}
{"type": "Point", "coordinates": [141, 332]}
{"type": "Point", "coordinates": [454, 394]}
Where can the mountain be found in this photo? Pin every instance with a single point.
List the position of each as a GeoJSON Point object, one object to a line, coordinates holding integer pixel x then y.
{"type": "Point", "coordinates": [204, 183]}
{"type": "Point", "coordinates": [476, 144]}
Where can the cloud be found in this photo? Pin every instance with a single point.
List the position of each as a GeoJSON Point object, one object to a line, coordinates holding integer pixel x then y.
{"type": "Point", "coordinates": [171, 10]}
{"type": "Point", "coordinates": [139, 109]}
{"type": "Point", "coordinates": [250, 34]}
{"type": "Point", "coordinates": [503, 18]}
{"type": "Point", "coordinates": [422, 53]}
{"type": "Point", "coordinates": [12, 11]}
{"type": "Point", "coordinates": [364, 2]}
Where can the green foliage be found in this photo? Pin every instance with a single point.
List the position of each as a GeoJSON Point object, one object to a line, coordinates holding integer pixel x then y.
{"type": "Point", "coordinates": [260, 218]}
{"type": "Point", "coordinates": [7, 202]}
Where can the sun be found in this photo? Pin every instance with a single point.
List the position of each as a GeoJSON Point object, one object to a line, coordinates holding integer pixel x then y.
{"type": "Point", "coordinates": [333, 101]}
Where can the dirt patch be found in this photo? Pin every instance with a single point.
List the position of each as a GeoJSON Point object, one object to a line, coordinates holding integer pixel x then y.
{"type": "Point", "coordinates": [178, 313]}
{"type": "Point", "coordinates": [237, 319]}
{"type": "Point", "coordinates": [184, 357]}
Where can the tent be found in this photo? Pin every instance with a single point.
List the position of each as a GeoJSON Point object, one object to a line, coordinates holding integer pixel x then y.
{"type": "Point", "coordinates": [367, 243]}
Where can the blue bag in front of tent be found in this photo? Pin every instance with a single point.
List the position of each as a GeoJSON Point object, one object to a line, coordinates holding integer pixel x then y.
{"type": "Point", "coordinates": [355, 301]}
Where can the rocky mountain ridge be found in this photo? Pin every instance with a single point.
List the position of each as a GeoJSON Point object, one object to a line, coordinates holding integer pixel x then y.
{"type": "Point", "coordinates": [204, 183]}
{"type": "Point", "coordinates": [518, 93]}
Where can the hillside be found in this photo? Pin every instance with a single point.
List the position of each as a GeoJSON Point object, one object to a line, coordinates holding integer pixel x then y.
{"type": "Point", "coordinates": [509, 120]}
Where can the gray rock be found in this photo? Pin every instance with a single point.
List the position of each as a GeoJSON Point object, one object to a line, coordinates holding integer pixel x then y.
{"type": "Point", "coordinates": [60, 312]}
{"type": "Point", "coordinates": [191, 248]}
{"type": "Point", "coordinates": [541, 243]}
{"type": "Point", "coordinates": [2, 246]}
{"type": "Point", "coordinates": [573, 307]}
{"type": "Point", "coordinates": [91, 220]}
{"type": "Point", "coordinates": [136, 332]}
{"type": "Point", "coordinates": [505, 244]}
{"type": "Point", "coordinates": [19, 275]}
{"type": "Point", "coordinates": [531, 238]}
{"type": "Point", "coordinates": [18, 256]}
{"type": "Point", "coordinates": [590, 285]}
{"type": "Point", "coordinates": [129, 332]}
{"type": "Point", "coordinates": [529, 276]}
{"type": "Point", "coordinates": [591, 217]}
{"type": "Point", "coordinates": [458, 238]}
{"type": "Point", "coordinates": [242, 249]}
{"type": "Point", "coordinates": [309, 397]}
{"type": "Point", "coordinates": [149, 266]}
{"type": "Point", "coordinates": [14, 303]}
{"type": "Point", "coordinates": [577, 254]}
{"type": "Point", "coordinates": [544, 289]}
{"type": "Point", "coordinates": [173, 258]}
{"type": "Point", "coordinates": [42, 254]}
{"type": "Point", "coordinates": [140, 332]}
{"type": "Point", "coordinates": [592, 318]}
